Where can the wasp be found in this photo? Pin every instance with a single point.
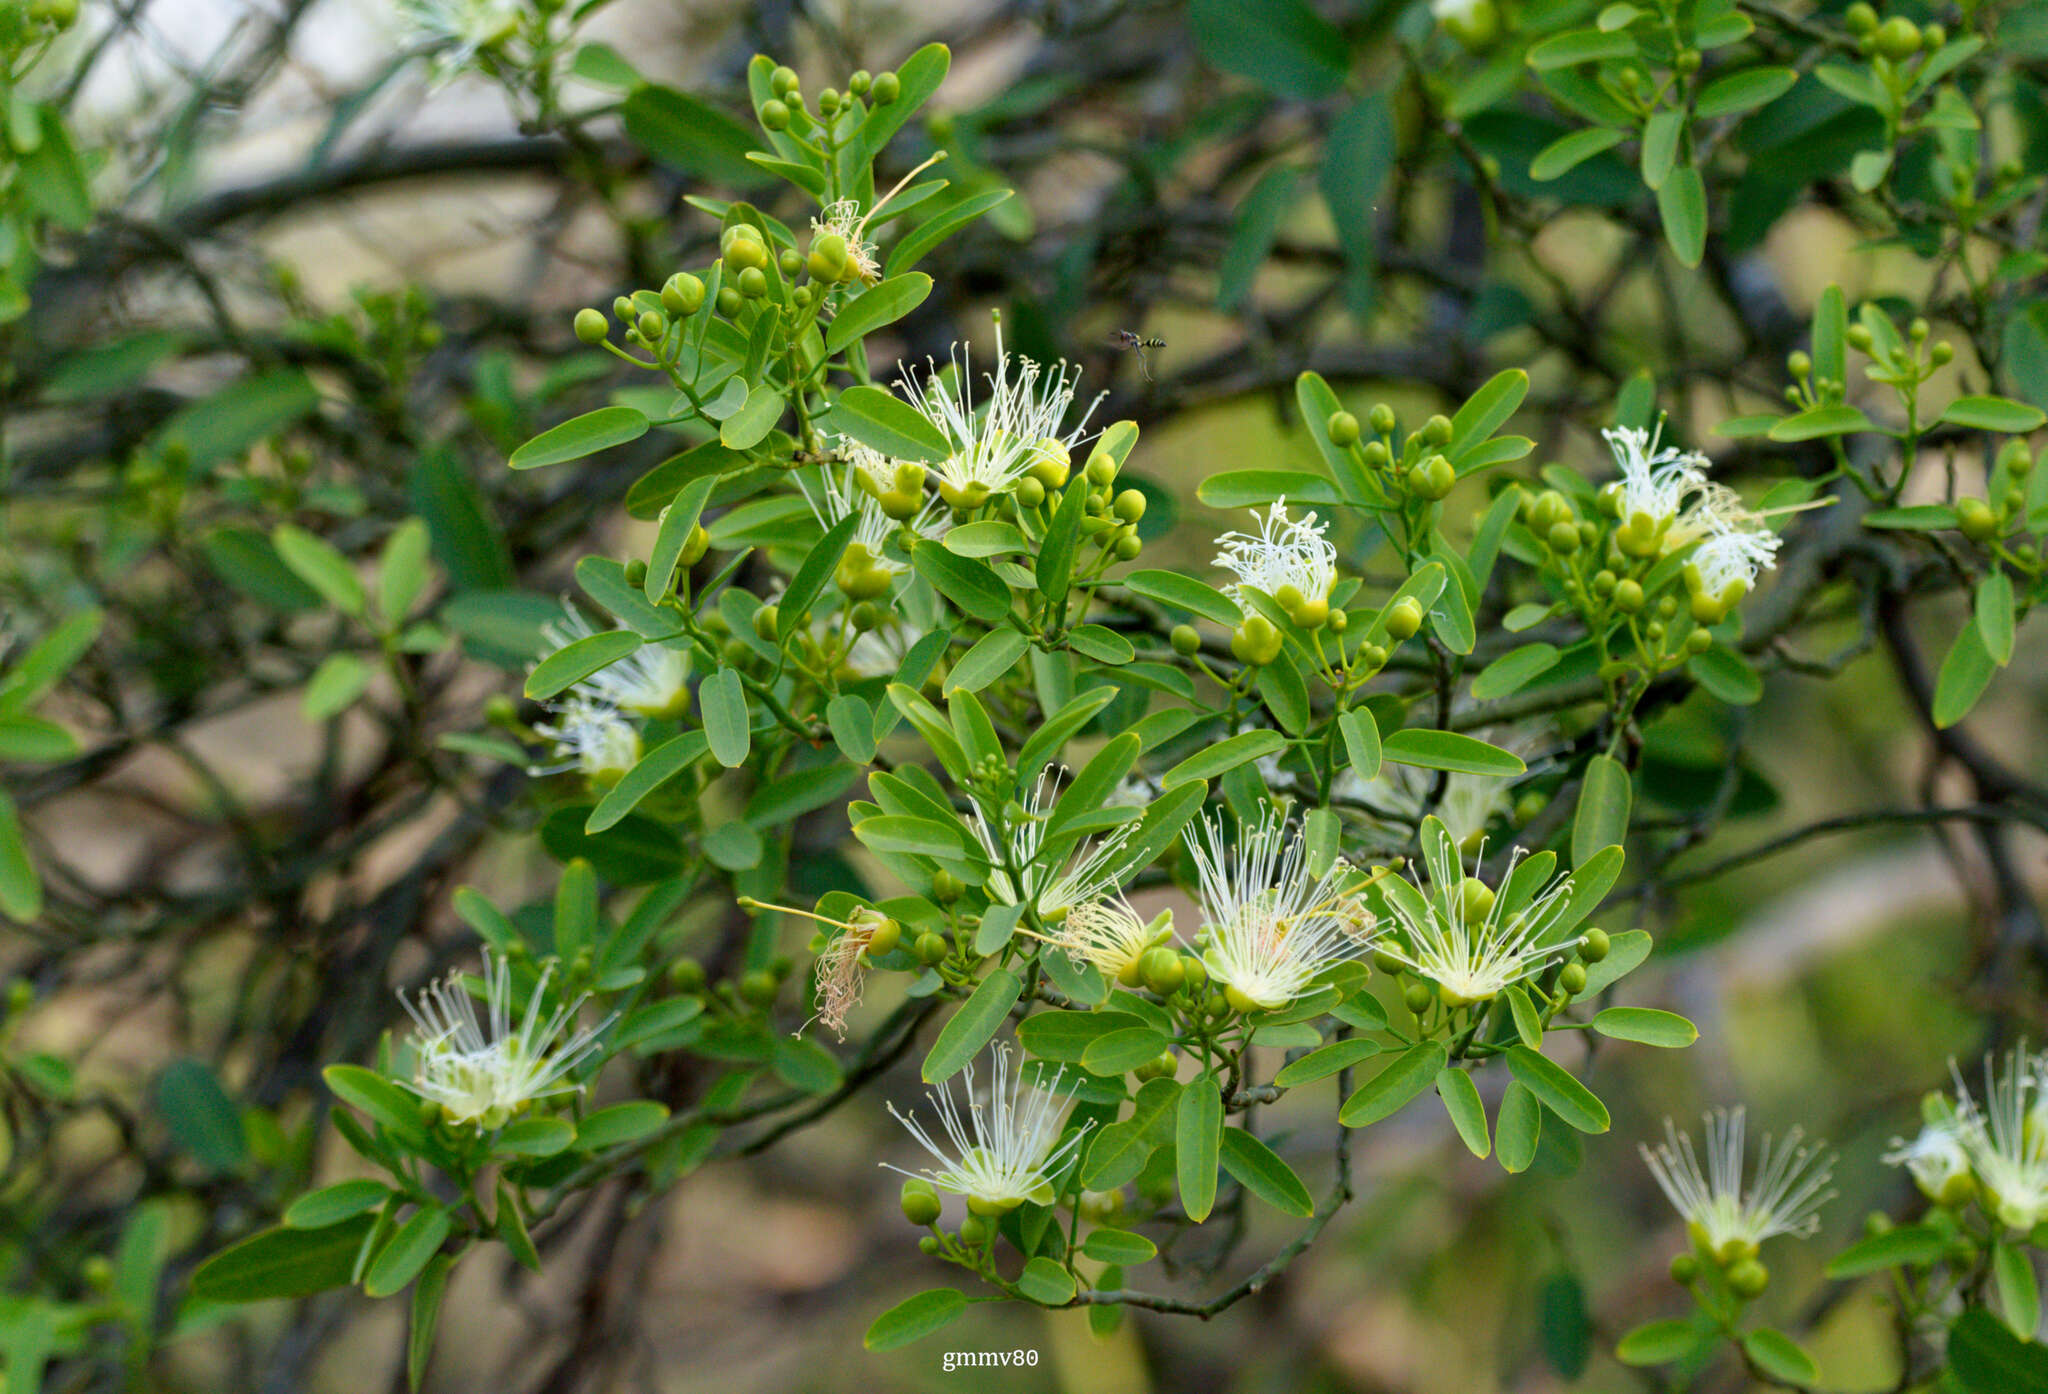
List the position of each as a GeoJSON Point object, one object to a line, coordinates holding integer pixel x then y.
{"type": "Point", "coordinates": [1125, 339]}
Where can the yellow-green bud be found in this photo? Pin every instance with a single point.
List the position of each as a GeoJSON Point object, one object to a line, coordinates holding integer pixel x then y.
{"type": "Point", "coordinates": [1404, 618]}
{"type": "Point", "coordinates": [1594, 945]}
{"type": "Point", "coordinates": [920, 1202]}
{"type": "Point", "coordinates": [1129, 505]}
{"type": "Point", "coordinates": [1343, 429]}
{"type": "Point", "coordinates": [1186, 640]}
{"type": "Point", "coordinates": [887, 87]}
{"type": "Point", "coordinates": [757, 987]}
{"type": "Point", "coordinates": [592, 326]}
{"type": "Point", "coordinates": [774, 115]}
{"type": "Point", "coordinates": [682, 295]}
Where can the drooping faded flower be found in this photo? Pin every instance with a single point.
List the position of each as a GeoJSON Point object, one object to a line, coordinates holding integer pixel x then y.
{"type": "Point", "coordinates": [1272, 927]}
{"type": "Point", "coordinates": [654, 680]}
{"type": "Point", "coordinates": [1457, 932]}
{"type": "Point", "coordinates": [485, 1072]}
{"type": "Point", "coordinates": [1031, 869]}
{"type": "Point", "coordinates": [1288, 559]}
{"type": "Point", "coordinates": [1784, 1196]}
{"type": "Point", "coordinates": [1005, 1148]}
{"type": "Point", "coordinates": [842, 966]}
{"type": "Point", "coordinates": [1020, 422]}
{"type": "Point", "coordinates": [593, 737]}
{"type": "Point", "coordinates": [2003, 1136]}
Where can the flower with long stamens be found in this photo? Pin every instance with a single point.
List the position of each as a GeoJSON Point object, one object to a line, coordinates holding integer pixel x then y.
{"type": "Point", "coordinates": [1109, 934]}
{"type": "Point", "coordinates": [1784, 1195]}
{"type": "Point", "coordinates": [1460, 934]}
{"type": "Point", "coordinates": [484, 1072]}
{"type": "Point", "coordinates": [1288, 559]}
{"type": "Point", "coordinates": [1271, 925]}
{"type": "Point", "coordinates": [1468, 805]}
{"type": "Point", "coordinates": [458, 30]}
{"type": "Point", "coordinates": [1937, 1160]}
{"type": "Point", "coordinates": [654, 680]}
{"type": "Point", "coordinates": [839, 492]}
{"type": "Point", "coordinates": [1020, 423]}
{"type": "Point", "coordinates": [1031, 869]}
{"type": "Point", "coordinates": [1006, 1148]}
{"type": "Point", "coordinates": [2003, 1135]}
{"type": "Point", "coordinates": [590, 736]}
{"type": "Point", "coordinates": [1655, 481]}
{"type": "Point", "coordinates": [1734, 544]}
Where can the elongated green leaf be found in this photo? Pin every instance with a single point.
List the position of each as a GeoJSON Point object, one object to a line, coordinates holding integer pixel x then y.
{"type": "Point", "coordinates": [1554, 1086]}
{"type": "Point", "coordinates": [406, 1252]}
{"type": "Point", "coordinates": [1661, 1343]}
{"type": "Point", "coordinates": [915, 1318]}
{"type": "Point", "coordinates": [1259, 1169]}
{"type": "Point", "coordinates": [1468, 1114]}
{"type": "Point", "coordinates": [726, 722]}
{"type": "Point", "coordinates": [973, 1026]}
{"type": "Point", "coordinates": [580, 436]}
{"type": "Point", "coordinates": [1404, 1077]}
{"type": "Point", "coordinates": [1513, 670]}
{"type": "Point", "coordinates": [1646, 1026]}
{"type": "Point", "coordinates": [1964, 675]}
{"type": "Point", "coordinates": [1601, 820]}
{"type": "Point", "coordinates": [1778, 1356]}
{"type": "Point", "coordinates": [1224, 755]}
{"type": "Point", "coordinates": [1682, 204]}
{"type": "Point", "coordinates": [1361, 743]}
{"type": "Point", "coordinates": [968, 584]}
{"type": "Point", "coordinates": [316, 562]}
{"type": "Point", "coordinates": [2000, 414]}
{"type": "Point", "coordinates": [914, 245]}
{"type": "Point", "coordinates": [650, 772]}
{"type": "Point", "coordinates": [1449, 750]}
{"type": "Point", "coordinates": [1186, 593]}
{"type": "Point", "coordinates": [1283, 45]}
{"type": "Point", "coordinates": [330, 1205]}
{"type": "Point", "coordinates": [1517, 1128]}
{"type": "Point", "coordinates": [1573, 149]}
{"type": "Point", "coordinates": [282, 1263]}
{"type": "Point", "coordinates": [1326, 1061]}
{"type": "Point", "coordinates": [879, 304]}
{"type": "Point", "coordinates": [1743, 91]}
{"type": "Point", "coordinates": [574, 662]}
{"type": "Point", "coordinates": [887, 423]}
{"type": "Point", "coordinates": [1198, 1140]}
{"type": "Point", "coordinates": [201, 1116]}
{"type": "Point", "coordinates": [1993, 614]}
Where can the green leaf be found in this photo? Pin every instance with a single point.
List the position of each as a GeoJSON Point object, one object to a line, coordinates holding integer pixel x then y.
{"type": "Point", "coordinates": [580, 436]}
{"type": "Point", "coordinates": [1118, 1052]}
{"type": "Point", "coordinates": [1836, 420]}
{"type": "Point", "coordinates": [853, 727]}
{"type": "Point", "coordinates": [1361, 743]}
{"type": "Point", "coordinates": [330, 1205]}
{"type": "Point", "coordinates": [2019, 1293]}
{"type": "Point", "coordinates": [402, 570]}
{"type": "Point", "coordinates": [627, 1122]}
{"type": "Point", "coordinates": [1468, 1114]}
{"type": "Point", "coordinates": [1682, 204]}
{"type": "Point", "coordinates": [1573, 149]}
{"type": "Point", "coordinates": [1601, 820]}
{"type": "Point", "coordinates": [1252, 233]}
{"type": "Point", "coordinates": [1224, 755]}
{"type": "Point", "coordinates": [1186, 593]}
{"type": "Point", "coordinates": [1056, 549]}
{"type": "Point", "coordinates": [1964, 675]}
{"type": "Point", "coordinates": [992, 656]}
{"type": "Point", "coordinates": [315, 561]}
{"type": "Point", "coordinates": [1743, 91]}
{"type": "Point", "coordinates": [1779, 1357]}
{"type": "Point", "coordinates": [970, 585]}
{"type": "Point", "coordinates": [1045, 1282]}
{"type": "Point", "coordinates": [1119, 1246]}
{"type": "Point", "coordinates": [654, 769]}
{"type": "Point", "coordinates": [804, 1065]}
{"type": "Point", "coordinates": [1326, 1061]}
{"type": "Point", "coordinates": [378, 1097]}
{"type": "Point", "coordinates": [973, 1026]}
{"type": "Point", "coordinates": [723, 698]}
{"type": "Point", "coordinates": [887, 423]}
{"type": "Point", "coordinates": [282, 1263]}
{"type": "Point", "coordinates": [1517, 1128]}
{"type": "Point", "coordinates": [1994, 616]}
{"type": "Point", "coordinates": [1257, 488]}
{"type": "Point", "coordinates": [574, 662]}
{"type": "Point", "coordinates": [1903, 1246]}
{"type": "Point", "coordinates": [334, 686]}
{"type": "Point", "coordinates": [1727, 675]}
{"type": "Point", "coordinates": [1646, 1026]}
{"type": "Point", "coordinates": [915, 1318]}
{"type": "Point", "coordinates": [407, 1252]}
{"type": "Point", "coordinates": [2000, 414]}
{"type": "Point", "coordinates": [201, 1116]}
{"type": "Point", "coordinates": [536, 1137]}
{"type": "Point", "coordinates": [1432, 749]}
{"type": "Point", "coordinates": [880, 304]}
{"type": "Point", "coordinates": [1660, 1343]}
{"type": "Point", "coordinates": [1405, 1077]}
{"type": "Point", "coordinates": [1515, 669]}
{"type": "Point", "coordinates": [1282, 45]}
{"type": "Point", "coordinates": [1281, 688]}
{"type": "Point", "coordinates": [1660, 145]}
{"type": "Point", "coordinates": [684, 133]}
{"type": "Point", "coordinates": [21, 890]}
{"type": "Point", "coordinates": [818, 565]}
{"type": "Point", "coordinates": [1580, 46]}
{"type": "Point", "coordinates": [750, 425]}
{"type": "Point", "coordinates": [1984, 1357]}
{"type": "Point", "coordinates": [426, 1311]}
{"type": "Point", "coordinates": [1197, 1140]}
{"type": "Point", "coordinates": [467, 541]}
{"type": "Point", "coordinates": [914, 245]}
{"type": "Point", "coordinates": [1259, 1169]}
{"type": "Point", "coordinates": [1555, 1088]}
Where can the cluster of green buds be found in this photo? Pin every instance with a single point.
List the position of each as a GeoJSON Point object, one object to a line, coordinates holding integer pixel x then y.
{"type": "Point", "coordinates": [2004, 509]}
{"type": "Point", "coordinates": [785, 109]}
{"type": "Point", "coordinates": [1896, 40]}
{"type": "Point", "coordinates": [1419, 470]}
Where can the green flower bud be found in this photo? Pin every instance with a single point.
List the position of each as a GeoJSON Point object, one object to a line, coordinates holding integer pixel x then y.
{"type": "Point", "coordinates": [859, 83]}
{"type": "Point", "coordinates": [1437, 430]}
{"type": "Point", "coordinates": [729, 301]}
{"type": "Point", "coordinates": [1404, 618]}
{"type": "Point", "coordinates": [1563, 538]}
{"type": "Point", "coordinates": [1129, 505]}
{"type": "Point", "coordinates": [1572, 978]}
{"type": "Point", "coordinates": [1860, 18]}
{"type": "Point", "coordinates": [766, 622]}
{"type": "Point", "coordinates": [1628, 596]}
{"type": "Point", "coordinates": [1101, 471]}
{"type": "Point", "coordinates": [1684, 1268]}
{"type": "Point", "coordinates": [1028, 492]}
{"type": "Point", "coordinates": [1860, 338]}
{"type": "Point", "coordinates": [1976, 519]}
{"type": "Point", "coordinates": [652, 326]}
{"type": "Point", "coordinates": [758, 987]}
{"type": "Point", "coordinates": [828, 101]}
{"type": "Point", "coordinates": [1748, 1278]}
{"type": "Point", "coordinates": [1594, 945]}
{"type": "Point", "coordinates": [1343, 429]}
{"type": "Point", "coordinates": [774, 115]}
{"type": "Point", "coordinates": [1387, 963]}
{"type": "Point", "coordinates": [591, 326]}
{"type": "Point", "coordinates": [753, 283]}
{"type": "Point", "coordinates": [1798, 363]}
{"type": "Point", "coordinates": [782, 81]}
{"type": "Point", "coordinates": [920, 1202]}
{"type": "Point", "coordinates": [1128, 546]}
{"type": "Point", "coordinates": [1932, 37]}
{"type": "Point", "coordinates": [1186, 640]}
{"type": "Point", "coordinates": [746, 253]}
{"type": "Point", "coordinates": [682, 295]}
{"type": "Point", "coordinates": [624, 309]}
{"type": "Point", "coordinates": [694, 546]}
{"type": "Point", "coordinates": [930, 948]}
{"type": "Point", "coordinates": [887, 87]}
{"type": "Point", "coordinates": [1417, 997]}
{"type": "Point", "coordinates": [1898, 38]}
{"type": "Point", "coordinates": [1382, 419]}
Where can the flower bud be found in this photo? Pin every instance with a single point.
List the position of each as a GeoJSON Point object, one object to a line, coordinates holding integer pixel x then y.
{"type": "Point", "coordinates": [1748, 1278]}
{"type": "Point", "coordinates": [652, 326]}
{"type": "Point", "coordinates": [1417, 997]}
{"type": "Point", "coordinates": [1129, 505]}
{"type": "Point", "coordinates": [729, 301]}
{"type": "Point", "coordinates": [1898, 38]}
{"type": "Point", "coordinates": [1343, 429]}
{"type": "Point", "coordinates": [1162, 970]}
{"type": "Point", "coordinates": [1860, 18]}
{"type": "Point", "coordinates": [1186, 640]}
{"type": "Point", "coordinates": [1404, 617]}
{"type": "Point", "coordinates": [757, 987]}
{"type": "Point", "coordinates": [591, 326]}
{"type": "Point", "coordinates": [1594, 945]}
{"type": "Point", "coordinates": [782, 81]}
{"type": "Point", "coordinates": [1684, 1268]}
{"type": "Point", "coordinates": [887, 87]}
{"type": "Point", "coordinates": [1572, 978]}
{"type": "Point", "coordinates": [774, 115]}
{"type": "Point", "coordinates": [753, 283]}
{"type": "Point", "coordinates": [930, 948]}
{"type": "Point", "coordinates": [1977, 521]}
{"type": "Point", "coordinates": [859, 83]}
{"type": "Point", "coordinates": [920, 1202]}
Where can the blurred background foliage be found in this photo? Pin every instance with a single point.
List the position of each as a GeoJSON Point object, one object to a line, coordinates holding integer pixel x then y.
{"type": "Point", "coordinates": [280, 270]}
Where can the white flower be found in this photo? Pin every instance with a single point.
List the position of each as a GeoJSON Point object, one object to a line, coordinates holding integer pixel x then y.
{"type": "Point", "coordinates": [1003, 1152]}
{"type": "Point", "coordinates": [2007, 1147]}
{"type": "Point", "coordinates": [486, 1077]}
{"type": "Point", "coordinates": [1021, 422]}
{"type": "Point", "coordinates": [460, 29]}
{"type": "Point", "coordinates": [654, 680]}
{"type": "Point", "coordinates": [1655, 483]}
{"type": "Point", "coordinates": [836, 493]}
{"type": "Point", "coordinates": [1472, 942]}
{"type": "Point", "coordinates": [1735, 543]}
{"type": "Point", "coordinates": [592, 737]}
{"type": "Point", "coordinates": [1937, 1160]}
{"type": "Point", "coordinates": [1784, 1195]}
{"type": "Point", "coordinates": [1288, 560]}
{"type": "Point", "coordinates": [880, 652]}
{"type": "Point", "coordinates": [1108, 934]}
{"type": "Point", "coordinates": [1091, 869]}
{"type": "Point", "coordinates": [1460, 10]}
{"type": "Point", "coordinates": [1271, 926]}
